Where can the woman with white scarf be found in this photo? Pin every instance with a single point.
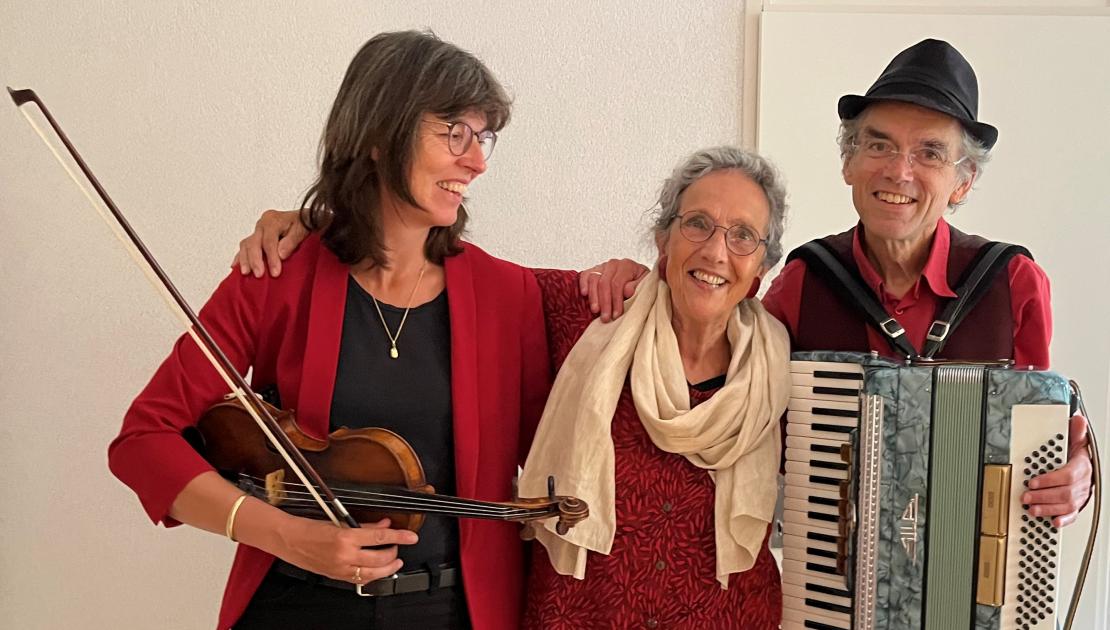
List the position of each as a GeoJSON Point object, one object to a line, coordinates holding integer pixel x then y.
{"type": "Point", "coordinates": [666, 421]}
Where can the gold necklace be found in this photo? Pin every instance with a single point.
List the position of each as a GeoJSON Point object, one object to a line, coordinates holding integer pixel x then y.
{"type": "Point", "coordinates": [393, 354]}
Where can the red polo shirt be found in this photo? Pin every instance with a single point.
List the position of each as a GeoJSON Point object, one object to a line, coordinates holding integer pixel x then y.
{"type": "Point", "coordinates": [915, 311]}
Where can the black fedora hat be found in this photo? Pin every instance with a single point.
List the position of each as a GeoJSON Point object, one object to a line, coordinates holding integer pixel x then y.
{"type": "Point", "coordinates": [932, 74]}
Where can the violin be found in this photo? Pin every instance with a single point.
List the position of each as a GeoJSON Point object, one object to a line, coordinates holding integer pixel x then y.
{"type": "Point", "coordinates": [376, 471]}
{"type": "Point", "coordinates": [373, 471]}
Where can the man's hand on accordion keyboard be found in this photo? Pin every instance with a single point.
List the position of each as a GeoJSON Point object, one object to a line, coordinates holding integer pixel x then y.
{"type": "Point", "coordinates": [1064, 491]}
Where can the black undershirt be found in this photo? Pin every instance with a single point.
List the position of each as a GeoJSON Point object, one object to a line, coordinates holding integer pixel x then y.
{"type": "Point", "coordinates": [709, 385]}
{"type": "Point", "coordinates": [409, 395]}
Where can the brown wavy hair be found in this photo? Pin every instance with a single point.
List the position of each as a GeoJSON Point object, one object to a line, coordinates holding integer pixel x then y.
{"type": "Point", "coordinates": [392, 82]}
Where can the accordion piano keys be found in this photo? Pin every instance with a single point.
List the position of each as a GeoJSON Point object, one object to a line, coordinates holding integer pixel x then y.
{"type": "Point", "coordinates": [823, 411]}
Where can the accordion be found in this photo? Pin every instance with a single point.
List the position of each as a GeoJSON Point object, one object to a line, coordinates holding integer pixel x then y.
{"type": "Point", "coordinates": [902, 497]}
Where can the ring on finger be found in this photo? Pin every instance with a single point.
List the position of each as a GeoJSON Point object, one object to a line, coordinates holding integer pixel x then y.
{"type": "Point", "coordinates": [598, 273]}
{"type": "Point", "coordinates": [358, 575]}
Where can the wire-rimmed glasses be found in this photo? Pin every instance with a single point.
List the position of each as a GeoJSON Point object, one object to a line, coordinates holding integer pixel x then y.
{"type": "Point", "coordinates": [460, 136]}
{"type": "Point", "coordinates": [697, 227]}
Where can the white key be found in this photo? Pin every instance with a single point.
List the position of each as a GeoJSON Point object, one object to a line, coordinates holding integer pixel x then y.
{"type": "Point", "coordinates": [809, 367]}
{"type": "Point", "coordinates": [790, 541]}
{"type": "Point", "coordinates": [809, 380]}
{"type": "Point", "coordinates": [802, 505]}
{"type": "Point", "coordinates": [802, 592]}
{"type": "Point", "coordinates": [806, 431]}
{"type": "Point", "coordinates": [810, 418]}
{"type": "Point", "coordinates": [807, 455]}
{"type": "Point", "coordinates": [808, 393]}
{"type": "Point", "coordinates": [801, 480]}
{"type": "Point", "coordinates": [797, 442]}
{"type": "Point", "coordinates": [809, 404]}
{"type": "Point", "coordinates": [796, 610]}
{"type": "Point", "coordinates": [809, 492]}
{"type": "Point", "coordinates": [802, 555]}
{"type": "Point", "coordinates": [811, 577]}
{"type": "Point", "coordinates": [804, 468]}
{"type": "Point", "coordinates": [815, 525]}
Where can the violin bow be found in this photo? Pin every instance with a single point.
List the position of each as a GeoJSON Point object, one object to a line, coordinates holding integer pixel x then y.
{"type": "Point", "coordinates": [177, 304]}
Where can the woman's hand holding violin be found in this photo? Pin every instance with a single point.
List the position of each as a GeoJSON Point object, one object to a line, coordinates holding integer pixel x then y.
{"type": "Point", "coordinates": [353, 555]}
{"type": "Point", "coordinates": [368, 553]}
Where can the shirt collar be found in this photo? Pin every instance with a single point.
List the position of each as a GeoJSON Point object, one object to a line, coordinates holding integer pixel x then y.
{"type": "Point", "coordinates": [936, 266]}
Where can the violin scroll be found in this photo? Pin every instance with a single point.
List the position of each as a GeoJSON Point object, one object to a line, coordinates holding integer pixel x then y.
{"type": "Point", "coordinates": [571, 510]}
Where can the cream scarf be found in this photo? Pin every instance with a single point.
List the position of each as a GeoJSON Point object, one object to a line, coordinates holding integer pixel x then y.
{"type": "Point", "coordinates": [734, 434]}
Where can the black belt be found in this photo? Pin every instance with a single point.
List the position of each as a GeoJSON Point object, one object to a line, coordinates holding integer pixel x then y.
{"type": "Point", "coordinates": [411, 582]}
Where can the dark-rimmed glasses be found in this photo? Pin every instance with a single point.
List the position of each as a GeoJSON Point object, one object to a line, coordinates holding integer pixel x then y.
{"type": "Point", "coordinates": [460, 135]}
{"type": "Point", "coordinates": [697, 227]}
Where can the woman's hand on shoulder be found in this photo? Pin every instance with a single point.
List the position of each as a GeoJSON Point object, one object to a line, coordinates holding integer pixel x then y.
{"type": "Point", "coordinates": [609, 284]}
{"type": "Point", "coordinates": [335, 552]}
{"type": "Point", "coordinates": [277, 234]}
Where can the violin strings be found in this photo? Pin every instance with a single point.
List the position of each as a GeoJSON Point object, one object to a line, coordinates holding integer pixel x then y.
{"type": "Point", "coordinates": [408, 500]}
{"type": "Point", "coordinates": [406, 507]}
{"type": "Point", "coordinates": [388, 507]}
{"type": "Point", "coordinates": [402, 495]}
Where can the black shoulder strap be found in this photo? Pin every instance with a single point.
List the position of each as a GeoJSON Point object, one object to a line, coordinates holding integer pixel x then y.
{"type": "Point", "coordinates": [823, 261]}
{"type": "Point", "coordinates": [972, 286]}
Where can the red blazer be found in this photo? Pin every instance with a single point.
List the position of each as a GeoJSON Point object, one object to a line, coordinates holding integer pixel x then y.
{"type": "Point", "coordinates": [288, 330]}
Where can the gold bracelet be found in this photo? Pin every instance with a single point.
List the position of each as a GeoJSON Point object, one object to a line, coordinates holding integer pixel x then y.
{"type": "Point", "coordinates": [230, 529]}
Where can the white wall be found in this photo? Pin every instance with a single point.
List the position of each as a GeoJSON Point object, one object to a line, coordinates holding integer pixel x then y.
{"type": "Point", "coordinates": [197, 116]}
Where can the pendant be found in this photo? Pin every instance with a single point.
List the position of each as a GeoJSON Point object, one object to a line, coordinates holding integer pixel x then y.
{"type": "Point", "coordinates": [393, 352]}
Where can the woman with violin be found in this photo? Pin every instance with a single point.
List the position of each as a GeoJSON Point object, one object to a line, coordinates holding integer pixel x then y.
{"type": "Point", "coordinates": [384, 318]}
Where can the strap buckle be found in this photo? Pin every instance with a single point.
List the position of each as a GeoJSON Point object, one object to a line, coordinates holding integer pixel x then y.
{"type": "Point", "coordinates": [892, 328]}
{"type": "Point", "coordinates": [938, 336]}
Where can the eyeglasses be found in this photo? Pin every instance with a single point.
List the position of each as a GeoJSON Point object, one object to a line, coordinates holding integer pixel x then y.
{"type": "Point", "coordinates": [460, 135]}
{"type": "Point", "coordinates": [739, 239]}
{"type": "Point", "coordinates": [930, 158]}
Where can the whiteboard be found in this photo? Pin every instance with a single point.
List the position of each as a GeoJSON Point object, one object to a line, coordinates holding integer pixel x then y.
{"type": "Point", "coordinates": [1043, 81]}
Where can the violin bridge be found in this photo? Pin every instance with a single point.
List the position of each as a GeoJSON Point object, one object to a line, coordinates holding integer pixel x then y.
{"type": "Point", "coordinates": [275, 487]}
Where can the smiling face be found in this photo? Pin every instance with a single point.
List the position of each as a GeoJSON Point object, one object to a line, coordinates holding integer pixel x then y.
{"type": "Point", "coordinates": [897, 202]}
{"type": "Point", "coordinates": [438, 179]}
{"type": "Point", "coordinates": [706, 280]}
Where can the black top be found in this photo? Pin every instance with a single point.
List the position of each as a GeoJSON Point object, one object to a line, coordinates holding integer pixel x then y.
{"type": "Point", "coordinates": [409, 395]}
{"type": "Point", "coordinates": [709, 385]}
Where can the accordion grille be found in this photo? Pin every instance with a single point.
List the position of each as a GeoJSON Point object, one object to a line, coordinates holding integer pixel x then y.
{"type": "Point", "coordinates": [953, 502]}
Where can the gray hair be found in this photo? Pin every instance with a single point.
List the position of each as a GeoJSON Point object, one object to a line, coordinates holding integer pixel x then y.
{"type": "Point", "coordinates": [976, 155]}
{"type": "Point", "coordinates": [752, 165]}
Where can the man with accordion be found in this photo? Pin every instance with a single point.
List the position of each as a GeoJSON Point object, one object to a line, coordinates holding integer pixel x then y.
{"type": "Point", "coordinates": [911, 149]}
{"type": "Point", "coordinates": [922, 524]}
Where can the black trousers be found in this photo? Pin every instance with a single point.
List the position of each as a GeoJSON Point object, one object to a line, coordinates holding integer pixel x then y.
{"type": "Point", "coordinates": [288, 602]}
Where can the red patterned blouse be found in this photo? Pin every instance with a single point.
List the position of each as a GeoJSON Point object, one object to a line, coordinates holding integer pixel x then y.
{"type": "Point", "coordinates": [661, 572]}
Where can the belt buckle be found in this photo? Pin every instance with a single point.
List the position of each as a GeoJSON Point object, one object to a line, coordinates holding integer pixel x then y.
{"type": "Point", "coordinates": [391, 581]}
